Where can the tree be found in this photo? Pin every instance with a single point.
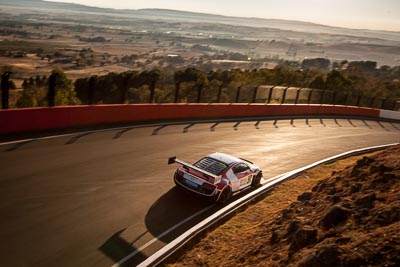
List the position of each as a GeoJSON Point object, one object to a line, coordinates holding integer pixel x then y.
{"type": "Point", "coordinates": [366, 66]}
{"type": "Point", "coordinates": [151, 78]}
{"type": "Point", "coordinates": [335, 81]}
{"type": "Point", "coordinates": [189, 75]}
{"type": "Point", "coordinates": [65, 93]}
{"type": "Point", "coordinates": [124, 81]}
{"type": "Point", "coordinates": [318, 83]}
{"type": "Point", "coordinates": [287, 77]}
{"type": "Point", "coordinates": [318, 63]}
{"type": "Point", "coordinates": [223, 78]}
{"type": "Point", "coordinates": [27, 99]}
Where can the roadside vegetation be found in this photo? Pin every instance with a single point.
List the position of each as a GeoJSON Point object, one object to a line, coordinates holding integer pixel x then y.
{"type": "Point", "coordinates": [341, 214]}
{"type": "Point", "coordinates": [214, 86]}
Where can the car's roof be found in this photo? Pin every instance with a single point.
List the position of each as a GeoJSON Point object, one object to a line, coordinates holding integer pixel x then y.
{"type": "Point", "coordinates": [225, 158]}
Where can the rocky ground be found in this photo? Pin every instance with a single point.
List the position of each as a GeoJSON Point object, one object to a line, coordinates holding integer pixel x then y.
{"type": "Point", "coordinates": [349, 218]}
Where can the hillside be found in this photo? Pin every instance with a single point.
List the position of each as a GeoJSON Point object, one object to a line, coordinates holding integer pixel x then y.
{"type": "Point", "coordinates": [184, 16]}
{"type": "Point", "coordinates": [349, 218]}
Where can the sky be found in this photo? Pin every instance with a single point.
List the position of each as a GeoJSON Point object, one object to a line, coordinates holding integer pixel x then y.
{"type": "Point", "coordinates": [358, 14]}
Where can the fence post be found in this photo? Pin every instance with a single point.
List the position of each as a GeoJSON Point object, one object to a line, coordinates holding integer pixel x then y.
{"type": "Point", "coordinates": [177, 86]}
{"type": "Point", "coordinates": [199, 92]}
{"type": "Point", "coordinates": [321, 98]}
{"type": "Point", "coordinates": [284, 95]}
{"type": "Point", "coordinates": [219, 93]}
{"type": "Point", "coordinates": [309, 96]}
{"type": "Point", "coordinates": [297, 96]}
{"type": "Point", "coordinates": [52, 89]}
{"type": "Point", "coordinates": [383, 103]}
{"type": "Point", "coordinates": [5, 87]}
{"type": "Point", "coordinates": [394, 105]}
{"type": "Point", "coordinates": [92, 83]}
{"type": "Point", "coordinates": [371, 102]}
{"type": "Point", "coordinates": [346, 99]}
{"type": "Point", "coordinates": [152, 91]}
{"type": "Point", "coordinates": [334, 98]}
{"type": "Point", "coordinates": [270, 94]}
{"type": "Point", "coordinates": [358, 100]}
{"type": "Point", "coordinates": [238, 94]}
{"type": "Point", "coordinates": [255, 94]}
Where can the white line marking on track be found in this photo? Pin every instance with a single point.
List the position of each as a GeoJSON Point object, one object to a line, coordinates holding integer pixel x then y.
{"type": "Point", "coordinates": [176, 226]}
{"type": "Point", "coordinates": [161, 235]}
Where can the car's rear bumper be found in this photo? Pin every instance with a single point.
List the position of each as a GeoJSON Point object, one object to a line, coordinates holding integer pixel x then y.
{"type": "Point", "coordinates": [198, 190]}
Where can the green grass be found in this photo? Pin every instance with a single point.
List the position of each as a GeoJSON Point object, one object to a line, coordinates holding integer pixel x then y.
{"type": "Point", "coordinates": [29, 47]}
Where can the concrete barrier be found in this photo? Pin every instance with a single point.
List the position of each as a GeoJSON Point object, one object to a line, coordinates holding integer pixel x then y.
{"type": "Point", "coordinates": [389, 114]}
{"type": "Point", "coordinates": [37, 119]}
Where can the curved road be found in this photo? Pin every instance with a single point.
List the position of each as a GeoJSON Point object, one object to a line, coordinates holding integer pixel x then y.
{"type": "Point", "coordinates": [92, 199]}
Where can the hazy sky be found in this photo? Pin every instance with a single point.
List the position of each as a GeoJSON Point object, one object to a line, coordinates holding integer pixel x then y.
{"type": "Point", "coordinates": [366, 14]}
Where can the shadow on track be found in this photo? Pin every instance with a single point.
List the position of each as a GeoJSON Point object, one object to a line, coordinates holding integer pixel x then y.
{"type": "Point", "coordinates": [186, 129]}
{"type": "Point", "coordinates": [382, 126]}
{"type": "Point", "coordinates": [171, 209]}
{"type": "Point", "coordinates": [76, 138]}
{"type": "Point", "coordinates": [394, 126]}
{"type": "Point", "coordinates": [17, 146]}
{"type": "Point", "coordinates": [178, 205]}
{"type": "Point", "coordinates": [212, 128]}
{"type": "Point", "coordinates": [117, 248]}
{"type": "Point", "coordinates": [120, 133]}
{"type": "Point", "coordinates": [155, 131]}
{"type": "Point", "coordinates": [235, 127]}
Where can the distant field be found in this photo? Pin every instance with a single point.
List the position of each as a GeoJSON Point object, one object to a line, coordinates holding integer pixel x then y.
{"type": "Point", "coordinates": [88, 41]}
{"type": "Point", "coordinates": [28, 46]}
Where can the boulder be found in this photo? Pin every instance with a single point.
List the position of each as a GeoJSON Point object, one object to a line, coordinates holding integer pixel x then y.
{"type": "Point", "coordinates": [366, 201]}
{"type": "Point", "coordinates": [303, 237]}
{"type": "Point", "coordinates": [335, 216]}
{"type": "Point", "coordinates": [305, 196]}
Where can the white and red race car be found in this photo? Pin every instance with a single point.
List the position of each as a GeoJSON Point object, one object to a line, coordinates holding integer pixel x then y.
{"type": "Point", "coordinates": [217, 176]}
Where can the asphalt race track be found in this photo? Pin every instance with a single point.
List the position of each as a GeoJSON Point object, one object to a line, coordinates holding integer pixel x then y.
{"type": "Point", "coordinates": [92, 199]}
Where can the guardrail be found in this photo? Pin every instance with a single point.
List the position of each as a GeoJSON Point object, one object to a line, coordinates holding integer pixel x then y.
{"type": "Point", "coordinates": [37, 119]}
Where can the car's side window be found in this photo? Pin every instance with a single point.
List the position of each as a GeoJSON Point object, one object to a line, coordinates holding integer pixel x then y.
{"type": "Point", "coordinates": [245, 167]}
{"type": "Point", "coordinates": [240, 168]}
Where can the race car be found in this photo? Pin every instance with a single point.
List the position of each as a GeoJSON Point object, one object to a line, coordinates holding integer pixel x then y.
{"type": "Point", "coordinates": [217, 176]}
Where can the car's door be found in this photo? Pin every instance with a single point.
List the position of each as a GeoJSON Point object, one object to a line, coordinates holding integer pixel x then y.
{"type": "Point", "coordinates": [243, 174]}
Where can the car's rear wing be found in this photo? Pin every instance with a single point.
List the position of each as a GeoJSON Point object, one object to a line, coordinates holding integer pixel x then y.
{"type": "Point", "coordinates": [212, 178]}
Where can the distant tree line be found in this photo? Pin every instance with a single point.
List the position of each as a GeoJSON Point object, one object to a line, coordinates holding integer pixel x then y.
{"type": "Point", "coordinates": [195, 85]}
{"type": "Point", "coordinates": [192, 84]}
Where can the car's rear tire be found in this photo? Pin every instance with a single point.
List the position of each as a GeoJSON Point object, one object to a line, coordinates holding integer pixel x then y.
{"type": "Point", "coordinates": [225, 195]}
{"type": "Point", "coordinates": [257, 180]}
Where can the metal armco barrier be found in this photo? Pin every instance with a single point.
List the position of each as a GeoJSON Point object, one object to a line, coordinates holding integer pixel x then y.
{"type": "Point", "coordinates": [309, 96]}
{"type": "Point", "coordinates": [297, 95]}
{"type": "Point", "coordinates": [254, 99]}
{"type": "Point", "coordinates": [284, 95]}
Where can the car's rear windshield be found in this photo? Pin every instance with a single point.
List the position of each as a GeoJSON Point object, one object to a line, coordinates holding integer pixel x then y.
{"type": "Point", "coordinates": [211, 165]}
